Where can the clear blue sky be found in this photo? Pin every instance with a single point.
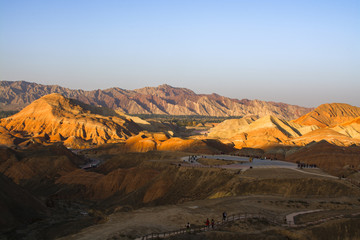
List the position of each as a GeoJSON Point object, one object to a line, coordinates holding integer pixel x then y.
{"type": "Point", "coordinates": [295, 51]}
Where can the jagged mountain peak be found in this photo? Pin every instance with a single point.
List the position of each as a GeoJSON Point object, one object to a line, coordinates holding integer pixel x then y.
{"type": "Point", "coordinates": [165, 90]}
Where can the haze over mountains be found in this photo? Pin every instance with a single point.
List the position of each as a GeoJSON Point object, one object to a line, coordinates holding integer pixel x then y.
{"type": "Point", "coordinates": [163, 99]}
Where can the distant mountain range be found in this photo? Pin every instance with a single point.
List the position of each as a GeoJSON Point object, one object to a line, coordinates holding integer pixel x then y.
{"type": "Point", "coordinates": [163, 99]}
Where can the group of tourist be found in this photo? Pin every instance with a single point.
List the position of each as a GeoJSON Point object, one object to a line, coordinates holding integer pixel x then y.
{"type": "Point", "coordinates": [192, 158]}
{"type": "Point", "coordinates": [306, 165]}
{"type": "Point", "coordinates": [209, 223]}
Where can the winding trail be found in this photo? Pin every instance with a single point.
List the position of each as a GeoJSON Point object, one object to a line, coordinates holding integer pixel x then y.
{"type": "Point", "coordinates": [317, 174]}
{"type": "Point", "coordinates": [290, 217]}
{"type": "Point", "coordinates": [244, 217]}
{"type": "Point", "coordinates": [245, 164]}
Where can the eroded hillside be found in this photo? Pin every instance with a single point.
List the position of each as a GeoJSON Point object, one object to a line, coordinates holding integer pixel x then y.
{"type": "Point", "coordinates": [56, 118]}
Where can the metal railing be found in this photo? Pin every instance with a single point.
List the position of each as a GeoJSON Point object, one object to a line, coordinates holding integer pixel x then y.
{"type": "Point", "coordinates": [269, 217]}
{"type": "Point", "coordinates": [232, 218]}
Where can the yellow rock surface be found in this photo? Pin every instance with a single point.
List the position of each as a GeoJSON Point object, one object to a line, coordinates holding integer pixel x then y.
{"type": "Point", "coordinates": [329, 115]}
{"type": "Point", "coordinates": [61, 118]}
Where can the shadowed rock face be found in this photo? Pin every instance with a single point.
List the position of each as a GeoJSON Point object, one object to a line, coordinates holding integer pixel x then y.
{"type": "Point", "coordinates": [60, 119]}
{"type": "Point", "coordinates": [332, 158]}
{"type": "Point", "coordinates": [17, 206]}
{"type": "Point", "coordinates": [163, 99]}
{"type": "Point", "coordinates": [38, 161]}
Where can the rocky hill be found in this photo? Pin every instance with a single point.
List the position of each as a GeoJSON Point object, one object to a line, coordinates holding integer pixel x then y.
{"type": "Point", "coordinates": [336, 123]}
{"type": "Point", "coordinates": [328, 115]}
{"type": "Point", "coordinates": [56, 118]}
{"type": "Point", "coordinates": [250, 132]}
{"type": "Point", "coordinates": [163, 99]}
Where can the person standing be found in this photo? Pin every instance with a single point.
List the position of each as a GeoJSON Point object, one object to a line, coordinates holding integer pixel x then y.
{"type": "Point", "coordinates": [207, 223]}
{"type": "Point", "coordinates": [212, 223]}
{"type": "Point", "coordinates": [224, 216]}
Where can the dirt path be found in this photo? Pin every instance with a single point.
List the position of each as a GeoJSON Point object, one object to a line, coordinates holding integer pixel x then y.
{"type": "Point", "coordinates": [258, 164]}
{"type": "Point", "coordinates": [167, 218]}
{"type": "Point", "coordinates": [317, 174]}
{"type": "Point", "coordinates": [290, 217]}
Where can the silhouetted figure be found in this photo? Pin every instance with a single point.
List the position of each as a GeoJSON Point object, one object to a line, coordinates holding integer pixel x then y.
{"type": "Point", "coordinates": [207, 223]}
{"type": "Point", "coordinates": [212, 223]}
{"type": "Point", "coordinates": [224, 216]}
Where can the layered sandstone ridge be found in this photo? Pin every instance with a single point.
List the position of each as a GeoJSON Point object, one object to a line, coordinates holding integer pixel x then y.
{"type": "Point", "coordinates": [329, 115]}
{"type": "Point", "coordinates": [163, 99]}
{"type": "Point", "coordinates": [350, 128]}
{"type": "Point", "coordinates": [267, 130]}
{"type": "Point", "coordinates": [57, 118]}
{"type": "Point", "coordinates": [336, 123]}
